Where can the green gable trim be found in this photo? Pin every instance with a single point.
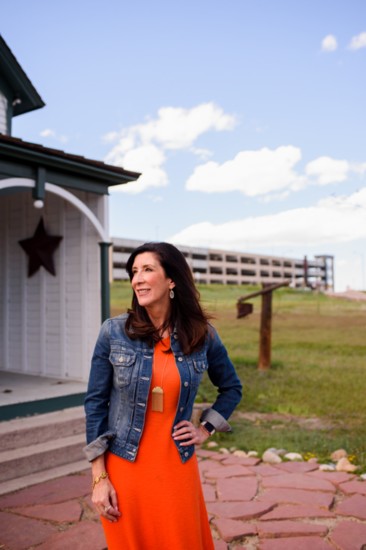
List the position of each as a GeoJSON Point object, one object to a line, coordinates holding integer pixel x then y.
{"type": "Point", "coordinates": [21, 94]}
{"type": "Point", "coordinates": [67, 180]}
{"type": "Point", "coordinates": [24, 159]}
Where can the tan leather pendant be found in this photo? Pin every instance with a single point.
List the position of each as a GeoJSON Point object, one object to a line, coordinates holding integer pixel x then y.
{"type": "Point", "coordinates": [157, 399]}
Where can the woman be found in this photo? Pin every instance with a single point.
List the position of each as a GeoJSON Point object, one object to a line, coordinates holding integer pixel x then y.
{"type": "Point", "coordinates": [145, 373]}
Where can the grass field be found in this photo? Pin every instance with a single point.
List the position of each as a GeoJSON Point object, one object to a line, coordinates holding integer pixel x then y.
{"type": "Point", "coordinates": [313, 398]}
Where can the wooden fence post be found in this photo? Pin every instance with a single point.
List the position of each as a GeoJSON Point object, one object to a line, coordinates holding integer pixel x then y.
{"type": "Point", "coordinates": [264, 362]}
{"type": "Point", "coordinates": [243, 309]}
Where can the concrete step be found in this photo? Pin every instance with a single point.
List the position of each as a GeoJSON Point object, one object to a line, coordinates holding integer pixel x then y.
{"type": "Point", "coordinates": [18, 483]}
{"type": "Point", "coordinates": [41, 447]}
{"type": "Point", "coordinates": [41, 428]}
{"type": "Point", "coordinates": [41, 456]}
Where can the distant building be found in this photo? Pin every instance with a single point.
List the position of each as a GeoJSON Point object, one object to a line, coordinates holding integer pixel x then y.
{"type": "Point", "coordinates": [211, 265]}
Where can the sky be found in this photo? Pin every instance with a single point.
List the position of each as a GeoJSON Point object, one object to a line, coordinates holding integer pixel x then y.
{"type": "Point", "coordinates": [246, 119]}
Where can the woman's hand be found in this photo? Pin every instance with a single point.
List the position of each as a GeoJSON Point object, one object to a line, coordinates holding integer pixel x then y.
{"type": "Point", "coordinates": [104, 498]}
{"type": "Point", "coordinates": [187, 434]}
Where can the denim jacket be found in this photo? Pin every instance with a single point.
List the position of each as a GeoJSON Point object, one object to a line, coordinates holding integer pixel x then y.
{"type": "Point", "coordinates": [119, 384]}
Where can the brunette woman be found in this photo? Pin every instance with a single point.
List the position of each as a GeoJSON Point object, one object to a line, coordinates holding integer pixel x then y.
{"type": "Point", "coordinates": [145, 373]}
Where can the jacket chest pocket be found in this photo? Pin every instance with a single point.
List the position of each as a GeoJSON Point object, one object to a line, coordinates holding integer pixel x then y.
{"type": "Point", "coordinates": [200, 363]}
{"type": "Point", "coordinates": [123, 362]}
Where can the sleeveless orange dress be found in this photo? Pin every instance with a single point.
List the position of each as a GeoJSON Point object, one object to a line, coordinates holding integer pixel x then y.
{"type": "Point", "coordinates": [159, 497]}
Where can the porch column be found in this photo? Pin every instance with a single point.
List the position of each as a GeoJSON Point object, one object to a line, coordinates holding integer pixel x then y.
{"type": "Point", "coordinates": [105, 289]}
{"type": "Point", "coordinates": [38, 191]}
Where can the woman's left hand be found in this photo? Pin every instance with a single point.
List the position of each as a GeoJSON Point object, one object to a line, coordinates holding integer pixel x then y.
{"type": "Point", "coordinates": [188, 434]}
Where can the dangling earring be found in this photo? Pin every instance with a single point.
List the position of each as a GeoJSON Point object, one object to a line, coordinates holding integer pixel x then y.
{"type": "Point", "coordinates": [171, 294]}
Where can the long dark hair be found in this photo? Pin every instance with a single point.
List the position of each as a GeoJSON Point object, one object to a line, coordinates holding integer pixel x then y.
{"type": "Point", "coordinates": [186, 313]}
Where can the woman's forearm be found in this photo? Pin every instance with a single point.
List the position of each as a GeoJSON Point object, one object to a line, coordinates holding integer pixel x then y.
{"type": "Point", "coordinates": [98, 466]}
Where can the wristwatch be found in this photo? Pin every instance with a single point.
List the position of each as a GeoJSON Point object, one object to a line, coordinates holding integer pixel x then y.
{"type": "Point", "coordinates": [208, 427]}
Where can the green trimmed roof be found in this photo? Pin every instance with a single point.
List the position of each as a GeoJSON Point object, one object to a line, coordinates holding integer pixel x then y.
{"type": "Point", "coordinates": [23, 94]}
{"type": "Point", "coordinates": [20, 158]}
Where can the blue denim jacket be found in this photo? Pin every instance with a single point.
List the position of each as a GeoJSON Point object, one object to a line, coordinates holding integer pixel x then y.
{"type": "Point", "coordinates": [119, 385]}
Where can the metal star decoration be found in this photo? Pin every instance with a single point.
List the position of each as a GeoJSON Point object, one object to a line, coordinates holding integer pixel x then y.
{"type": "Point", "coordinates": [40, 249]}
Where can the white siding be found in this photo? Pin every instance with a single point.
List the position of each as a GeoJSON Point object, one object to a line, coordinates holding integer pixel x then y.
{"type": "Point", "coordinates": [3, 117]}
{"type": "Point", "coordinates": [48, 324]}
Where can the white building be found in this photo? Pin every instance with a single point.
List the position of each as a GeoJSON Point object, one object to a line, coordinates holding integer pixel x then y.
{"type": "Point", "coordinates": [49, 322]}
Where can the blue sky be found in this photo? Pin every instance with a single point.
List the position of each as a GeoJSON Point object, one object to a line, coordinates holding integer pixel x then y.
{"type": "Point", "coordinates": [247, 119]}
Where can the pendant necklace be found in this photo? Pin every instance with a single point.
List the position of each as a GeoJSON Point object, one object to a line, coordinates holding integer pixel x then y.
{"type": "Point", "coordinates": [157, 393]}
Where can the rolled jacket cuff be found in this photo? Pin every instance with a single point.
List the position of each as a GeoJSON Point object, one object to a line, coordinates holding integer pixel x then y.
{"type": "Point", "coordinates": [98, 446]}
{"type": "Point", "coordinates": [216, 419]}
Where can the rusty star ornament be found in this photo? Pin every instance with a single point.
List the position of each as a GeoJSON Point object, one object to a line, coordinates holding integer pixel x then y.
{"type": "Point", "coordinates": [40, 249]}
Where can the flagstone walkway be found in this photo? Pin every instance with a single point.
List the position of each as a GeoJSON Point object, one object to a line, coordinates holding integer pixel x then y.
{"type": "Point", "coordinates": [251, 505]}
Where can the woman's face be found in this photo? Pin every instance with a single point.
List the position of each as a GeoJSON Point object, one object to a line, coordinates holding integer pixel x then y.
{"type": "Point", "coordinates": [150, 283]}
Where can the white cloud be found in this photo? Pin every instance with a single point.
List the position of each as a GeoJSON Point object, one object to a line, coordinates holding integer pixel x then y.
{"type": "Point", "coordinates": [147, 159]}
{"type": "Point", "coordinates": [178, 128]}
{"type": "Point", "coordinates": [266, 173]}
{"type": "Point", "coordinates": [142, 147]}
{"type": "Point", "coordinates": [203, 154]}
{"type": "Point", "coordinates": [250, 172]}
{"type": "Point", "coordinates": [48, 133]}
{"type": "Point", "coordinates": [330, 221]}
{"type": "Point", "coordinates": [329, 43]}
{"type": "Point", "coordinates": [110, 137]}
{"type": "Point", "coordinates": [358, 41]}
{"type": "Point", "coordinates": [269, 174]}
{"type": "Point", "coordinates": [327, 170]}
{"type": "Point", "coordinates": [359, 168]}
{"type": "Point", "coordinates": [355, 201]}
{"type": "Point", "coordinates": [138, 158]}
{"type": "Point", "coordinates": [350, 269]}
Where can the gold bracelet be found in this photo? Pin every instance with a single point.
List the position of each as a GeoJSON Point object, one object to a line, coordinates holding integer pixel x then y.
{"type": "Point", "coordinates": [96, 480]}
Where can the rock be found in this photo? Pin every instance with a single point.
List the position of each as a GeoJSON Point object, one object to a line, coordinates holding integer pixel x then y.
{"type": "Point", "coordinates": [327, 467]}
{"type": "Point", "coordinates": [212, 444]}
{"type": "Point", "coordinates": [252, 454]}
{"type": "Point", "coordinates": [279, 452]}
{"type": "Point", "coordinates": [363, 476]}
{"type": "Point", "coordinates": [238, 452]}
{"type": "Point", "coordinates": [224, 451]}
{"type": "Point", "coordinates": [344, 465]}
{"type": "Point", "coordinates": [338, 454]}
{"type": "Point", "coordinates": [271, 457]}
{"type": "Point", "coordinates": [232, 449]}
{"type": "Point", "coordinates": [294, 457]}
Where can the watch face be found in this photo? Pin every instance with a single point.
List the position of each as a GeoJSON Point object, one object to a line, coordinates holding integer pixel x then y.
{"type": "Point", "coordinates": [209, 427]}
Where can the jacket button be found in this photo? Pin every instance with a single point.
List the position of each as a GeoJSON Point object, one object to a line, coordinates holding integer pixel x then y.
{"type": "Point", "coordinates": [120, 359]}
{"type": "Point", "coordinates": [186, 454]}
{"type": "Point", "coordinates": [181, 409]}
{"type": "Point", "coordinates": [180, 358]}
{"type": "Point", "coordinates": [185, 384]}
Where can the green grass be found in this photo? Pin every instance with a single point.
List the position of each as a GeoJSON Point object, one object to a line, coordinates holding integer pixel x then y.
{"type": "Point", "coordinates": [313, 398]}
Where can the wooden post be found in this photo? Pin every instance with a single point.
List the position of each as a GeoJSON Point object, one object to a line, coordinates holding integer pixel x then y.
{"type": "Point", "coordinates": [264, 361]}
{"type": "Point", "coordinates": [265, 332]}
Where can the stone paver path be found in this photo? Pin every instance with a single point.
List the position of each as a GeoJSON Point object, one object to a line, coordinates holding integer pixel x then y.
{"type": "Point", "coordinates": [251, 505]}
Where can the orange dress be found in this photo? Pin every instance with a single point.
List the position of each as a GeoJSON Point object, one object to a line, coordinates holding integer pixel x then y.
{"type": "Point", "coordinates": [159, 497]}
